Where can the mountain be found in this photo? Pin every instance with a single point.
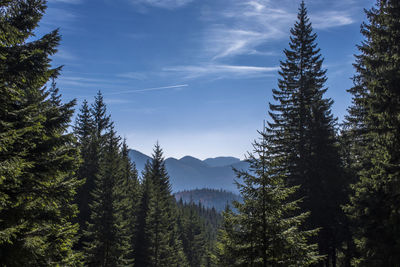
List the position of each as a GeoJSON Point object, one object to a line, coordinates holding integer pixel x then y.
{"type": "Point", "coordinates": [191, 173]}
{"type": "Point", "coordinates": [209, 198]}
{"type": "Point", "coordinates": [221, 161]}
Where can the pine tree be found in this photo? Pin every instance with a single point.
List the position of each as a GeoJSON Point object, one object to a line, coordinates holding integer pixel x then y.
{"type": "Point", "coordinates": [225, 248]}
{"type": "Point", "coordinates": [141, 244]}
{"type": "Point", "coordinates": [91, 126]}
{"type": "Point", "coordinates": [193, 236]}
{"type": "Point", "coordinates": [302, 131]}
{"type": "Point", "coordinates": [266, 233]}
{"type": "Point", "coordinates": [374, 205]}
{"type": "Point", "coordinates": [84, 130]}
{"type": "Point", "coordinates": [126, 193]}
{"type": "Point", "coordinates": [163, 248]}
{"type": "Point", "coordinates": [105, 245]}
{"type": "Point", "coordinates": [37, 155]}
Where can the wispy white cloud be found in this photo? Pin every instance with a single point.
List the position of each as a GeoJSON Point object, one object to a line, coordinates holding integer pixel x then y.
{"type": "Point", "coordinates": [65, 55]}
{"type": "Point", "coordinates": [167, 4]}
{"type": "Point", "coordinates": [331, 19]}
{"type": "Point", "coordinates": [241, 27]}
{"type": "Point", "coordinates": [133, 75]}
{"type": "Point", "coordinates": [221, 71]}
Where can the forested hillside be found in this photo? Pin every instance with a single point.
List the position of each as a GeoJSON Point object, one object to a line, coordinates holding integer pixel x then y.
{"type": "Point", "coordinates": [313, 192]}
{"type": "Point", "coordinates": [209, 198]}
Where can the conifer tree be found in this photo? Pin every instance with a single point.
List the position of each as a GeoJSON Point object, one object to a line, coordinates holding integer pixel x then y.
{"type": "Point", "coordinates": [265, 231]}
{"type": "Point", "coordinates": [193, 237]}
{"type": "Point", "coordinates": [141, 244]}
{"type": "Point", "coordinates": [126, 193]}
{"type": "Point", "coordinates": [91, 126]}
{"type": "Point", "coordinates": [162, 246]}
{"type": "Point", "coordinates": [84, 130]}
{"type": "Point", "coordinates": [106, 246]}
{"type": "Point", "coordinates": [374, 205]}
{"type": "Point", "coordinates": [225, 248]}
{"type": "Point", "coordinates": [37, 155]}
{"type": "Point", "coordinates": [302, 131]}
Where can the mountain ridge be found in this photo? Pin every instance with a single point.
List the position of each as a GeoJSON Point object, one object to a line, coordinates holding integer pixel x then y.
{"type": "Point", "coordinates": [188, 173]}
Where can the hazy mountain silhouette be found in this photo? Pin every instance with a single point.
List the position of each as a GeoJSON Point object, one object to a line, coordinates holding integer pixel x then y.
{"type": "Point", "coordinates": [191, 173]}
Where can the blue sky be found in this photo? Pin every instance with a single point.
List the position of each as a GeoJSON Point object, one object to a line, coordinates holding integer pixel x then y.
{"type": "Point", "coordinates": [196, 75]}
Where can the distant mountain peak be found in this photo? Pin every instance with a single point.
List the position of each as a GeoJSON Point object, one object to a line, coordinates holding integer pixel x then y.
{"type": "Point", "coordinates": [221, 161]}
{"type": "Point", "coordinates": [190, 173]}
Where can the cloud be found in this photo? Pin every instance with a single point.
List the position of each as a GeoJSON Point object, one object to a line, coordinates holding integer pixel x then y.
{"type": "Point", "coordinates": [65, 55]}
{"type": "Point", "coordinates": [325, 20]}
{"type": "Point", "coordinates": [241, 27]}
{"type": "Point", "coordinates": [167, 4]}
{"type": "Point", "coordinates": [133, 75]}
{"type": "Point", "coordinates": [221, 71]}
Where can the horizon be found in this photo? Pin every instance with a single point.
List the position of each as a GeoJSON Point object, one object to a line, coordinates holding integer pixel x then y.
{"type": "Point", "coordinates": [179, 158]}
{"type": "Point", "coordinates": [202, 87]}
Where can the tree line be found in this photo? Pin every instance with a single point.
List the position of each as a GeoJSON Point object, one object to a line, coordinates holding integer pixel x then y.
{"type": "Point", "coordinates": [317, 193]}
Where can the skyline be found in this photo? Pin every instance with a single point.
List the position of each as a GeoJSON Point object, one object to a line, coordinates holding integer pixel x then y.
{"type": "Point", "coordinates": [201, 87]}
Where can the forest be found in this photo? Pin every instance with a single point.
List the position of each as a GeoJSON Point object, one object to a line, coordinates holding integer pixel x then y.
{"type": "Point", "coordinates": [318, 192]}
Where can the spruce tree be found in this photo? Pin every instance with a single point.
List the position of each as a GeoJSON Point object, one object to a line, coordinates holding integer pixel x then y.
{"type": "Point", "coordinates": [84, 130]}
{"type": "Point", "coordinates": [140, 244]}
{"type": "Point", "coordinates": [225, 251]}
{"type": "Point", "coordinates": [302, 132]}
{"type": "Point", "coordinates": [160, 244]}
{"type": "Point", "coordinates": [37, 155]}
{"type": "Point", "coordinates": [91, 126]}
{"type": "Point", "coordinates": [106, 245]}
{"type": "Point", "coordinates": [374, 205]}
{"type": "Point", "coordinates": [193, 236]}
{"type": "Point", "coordinates": [126, 193]}
{"type": "Point", "coordinates": [265, 231]}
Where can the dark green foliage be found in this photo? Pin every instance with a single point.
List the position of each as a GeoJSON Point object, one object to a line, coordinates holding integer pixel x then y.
{"type": "Point", "coordinates": [37, 157]}
{"type": "Point", "coordinates": [157, 238]}
{"type": "Point", "coordinates": [88, 168]}
{"type": "Point", "coordinates": [197, 232]}
{"type": "Point", "coordinates": [265, 232]}
{"type": "Point", "coordinates": [90, 129]}
{"type": "Point", "coordinates": [302, 132]}
{"type": "Point", "coordinates": [141, 243]}
{"type": "Point", "coordinates": [209, 198]}
{"type": "Point", "coordinates": [374, 207]}
{"type": "Point", "coordinates": [226, 247]}
{"type": "Point", "coordinates": [127, 194]}
{"type": "Point", "coordinates": [108, 231]}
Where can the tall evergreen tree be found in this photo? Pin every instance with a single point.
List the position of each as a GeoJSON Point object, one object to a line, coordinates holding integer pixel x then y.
{"type": "Point", "coordinates": [141, 244]}
{"type": "Point", "coordinates": [84, 130]}
{"type": "Point", "coordinates": [193, 237]}
{"type": "Point", "coordinates": [91, 127]}
{"type": "Point", "coordinates": [302, 132]}
{"type": "Point", "coordinates": [374, 205]}
{"type": "Point", "coordinates": [107, 245]}
{"type": "Point", "coordinates": [127, 198]}
{"type": "Point", "coordinates": [225, 251]}
{"type": "Point", "coordinates": [163, 248]}
{"type": "Point", "coordinates": [37, 157]}
{"type": "Point", "coordinates": [265, 231]}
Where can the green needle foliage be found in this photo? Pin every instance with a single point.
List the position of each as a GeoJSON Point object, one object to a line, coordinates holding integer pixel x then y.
{"type": "Point", "coordinates": [302, 134]}
{"type": "Point", "coordinates": [38, 157]}
{"type": "Point", "coordinates": [158, 242]}
{"type": "Point", "coordinates": [264, 232]}
{"type": "Point", "coordinates": [374, 206]}
{"type": "Point", "coordinates": [108, 233]}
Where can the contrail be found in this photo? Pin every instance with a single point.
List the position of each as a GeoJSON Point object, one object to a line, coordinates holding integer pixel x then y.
{"type": "Point", "coordinates": [148, 89]}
